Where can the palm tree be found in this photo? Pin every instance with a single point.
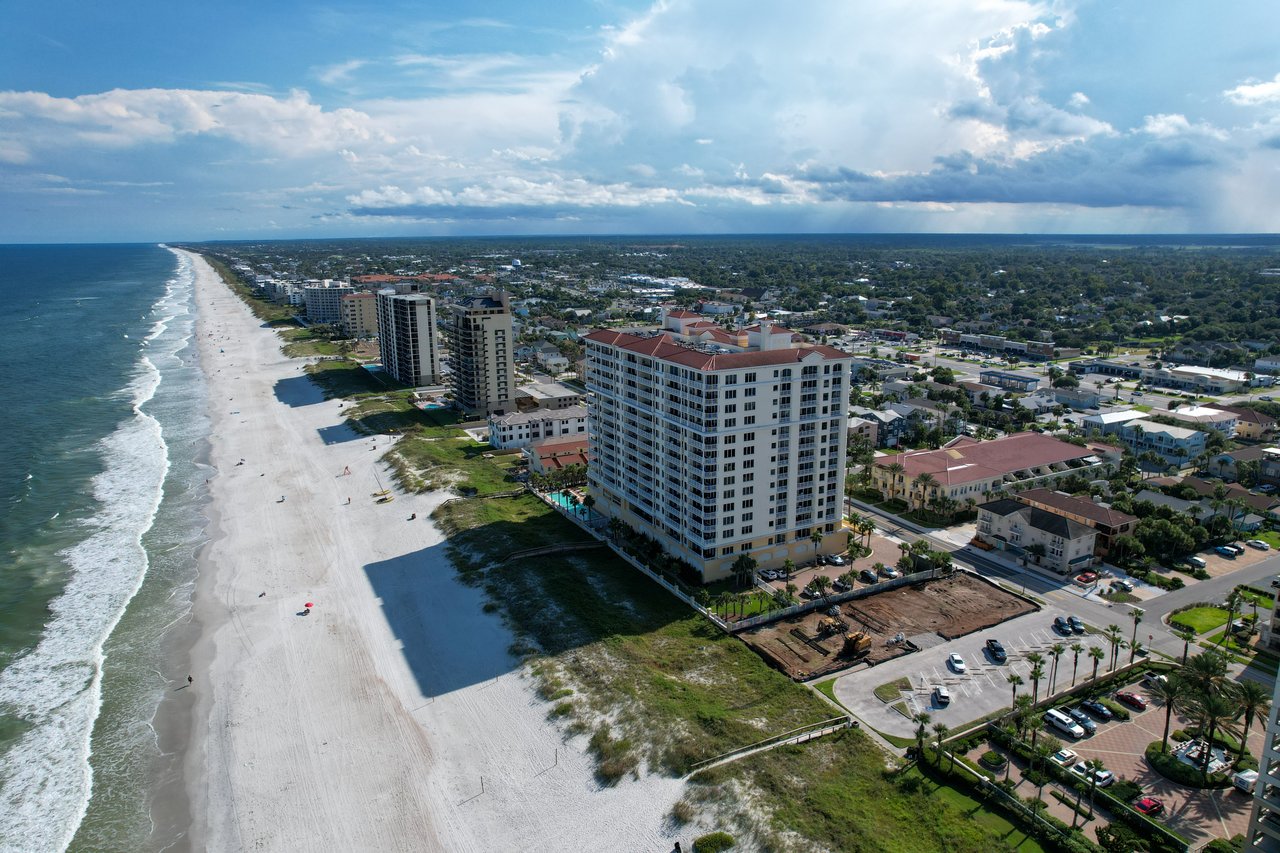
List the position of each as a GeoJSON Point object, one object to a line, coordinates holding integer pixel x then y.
{"type": "Point", "coordinates": [1096, 654]}
{"type": "Point", "coordinates": [1186, 635]}
{"type": "Point", "coordinates": [1234, 600]}
{"type": "Point", "coordinates": [922, 485]}
{"type": "Point", "coordinates": [1037, 672]}
{"type": "Point", "coordinates": [816, 538]}
{"type": "Point", "coordinates": [821, 583]}
{"type": "Point", "coordinates": [1092, 766]}
{"type": "Point", "coordinates": [1042, 752]}
{"type": "Point", "coordinates": [895, 470]}
{"type": "Point", "coordinates": [940, 731]}
{"type": "Point", "coordinates": [788, 568]}
{"type": "Point", "coordinates": [1113, 636]}
{"type": "Point", "coordinates": [1015, 681]}
{"type": "Point", "coordinates": [1055, 652]}
{"type": "Point", "coordinates": [1211, 713]}
{"type": "Point", "coordinates": [1135, 614]}
{"type": "Point", "coordinates": [1076, 649]}
{"type": "Point", "coordinates": [1171, 692]}
{"type": "Point", "coordinates": [1255, 703]}
{"type": "Point", "coordinates": [922, 729]}
{"type": "Point", "coordinates": [1207, 674]}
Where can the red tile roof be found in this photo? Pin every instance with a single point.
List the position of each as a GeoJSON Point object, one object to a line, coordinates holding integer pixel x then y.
{"type": "Point", "coordinates": [681, 314]}
{"type": "Point", "coordinates": [1077, 506]}
{"type": "Point", "coordinates": [967, 460]}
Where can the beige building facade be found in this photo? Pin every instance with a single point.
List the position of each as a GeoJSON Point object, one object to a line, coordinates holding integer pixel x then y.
{"type": "Point", "coordinates": [482, 346]}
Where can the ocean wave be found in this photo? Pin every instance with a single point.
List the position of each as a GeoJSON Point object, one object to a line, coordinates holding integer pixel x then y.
{"type": "Point", "coordinates": [56, 688]}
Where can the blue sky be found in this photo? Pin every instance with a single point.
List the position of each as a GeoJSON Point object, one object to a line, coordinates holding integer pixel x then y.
{"type": "Point", "coordinates": [146, 121]}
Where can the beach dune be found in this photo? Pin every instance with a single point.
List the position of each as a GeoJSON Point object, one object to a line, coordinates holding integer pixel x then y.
{"type": "Point", "coordinates": [392, 716]}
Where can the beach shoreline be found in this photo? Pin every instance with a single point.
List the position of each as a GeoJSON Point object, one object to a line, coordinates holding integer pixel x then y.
{"type": "Point", "coordinates": [393, 716]}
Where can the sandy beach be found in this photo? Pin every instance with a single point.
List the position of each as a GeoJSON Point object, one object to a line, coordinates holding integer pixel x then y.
{"type": "Point", "coordinates": [393, 716]}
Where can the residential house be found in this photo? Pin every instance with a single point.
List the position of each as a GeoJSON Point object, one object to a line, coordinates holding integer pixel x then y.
{"type": "Point", "coordinates": [1108, 523]}
{"type": "Point", "coordinates": [1017, 528]}
{"type": "Point", "coordinates": [1174, 445]}
{"type": "Point", "coordinates": [1227, 463]}
{"type": "Point", "coordinates": [1269, 469]}
{"type": "Point", "coordinates": [1077, 398]}
{"type": "Point", "coordinates": [547, 395]}
{"type": "Point", "coordinates": [1251, 424]}
{"type": "Point", "coordinates": [1213, 418]}
{"type": "Point", "coordinates": [866, 429]}
{"type": "Point", "coordinates": [554, 454]}
{"type": "Point", "coordinates": [891, 427]}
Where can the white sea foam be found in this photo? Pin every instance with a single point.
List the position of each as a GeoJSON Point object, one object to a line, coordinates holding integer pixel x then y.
{"type": "Point", "coordinates": [56, 688]}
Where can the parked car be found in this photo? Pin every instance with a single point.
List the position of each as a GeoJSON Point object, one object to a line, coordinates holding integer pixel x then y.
{"type": "Point", "coordinates": [941, 695]}
{"type": "Point", "coordinates": [1259, 544]}
{"type": "Point", "coordinates": [1103, 777]}
{"type": "Point", "coordinates": [769, 575]}
{"type": "Point", "coordinates": [1133, 700]}
{"type": "Point", "coordinates": [1086, 578]}
{"type": "Point", "coordinates": [867, 576]}
{"type": "Point", "coordinates": [1076, 623]}
{"type": "Point", "coordinates": [841, 586]}
{"type": "Point", "coordinates": [1234, 548]}
{"type": "Point", "coordinates": [890, 572]}
{"type": "Point", "coordinates": [1224, 551]}
{"type": "Point", "coordinates": [1065, 757]}
{"type": "Point", "coordinates": [956, 662]}
{"type": "Point", "coordinates": [1153, 678]}
{"type": "Point", "coordinates": [996, 649]}
{"type": "Point", "coordinates": [837, 560]}
{"type": "Point", "coordinates": [1266, 488]}
{"type": "Point", "coordinates": [1149, 806]}
{"type": "Point", "coordinates": [1097, 709]}
{"type": "Point", "coordinates": [1084, 720]}
{"type": "Point", "coordinates": [808, 592]}
{"type": "Point", "coordinates": [1195, 562]}
{"type": "Point", "coordinates": [1123, 583]}
{"type": "Point", "coordinates": [1061, 625]}
{"type": "Point", "coordinates": [1275, 582]}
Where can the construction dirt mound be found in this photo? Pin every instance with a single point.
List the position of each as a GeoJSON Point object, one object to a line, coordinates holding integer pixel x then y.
{"type": "Point", "coordinates": [821, 642]}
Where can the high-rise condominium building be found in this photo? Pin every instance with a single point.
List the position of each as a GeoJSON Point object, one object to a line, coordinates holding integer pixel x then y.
{"type": "Point", "coordinates": [360, 314]}
{"type": "Point", "coordinates": [1264, 822]}
{"type": "Point", "coordinates": [483, 356]}
{"type": "Point", "coordinates": [324, 300]}
{"type": "Point", "coordinates": [407, 337]}
{"type": "Point", "coordinates": [719, 449]}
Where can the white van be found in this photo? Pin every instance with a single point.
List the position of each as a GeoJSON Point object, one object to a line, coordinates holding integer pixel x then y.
{"type": "Point", "coordinates": [1245, 780]}
{"type": "Point", "coordinates": [1063, 723]}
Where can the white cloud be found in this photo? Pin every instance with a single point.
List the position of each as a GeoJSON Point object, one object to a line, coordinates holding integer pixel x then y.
{"type": "Point", "coordinates": [339, 73]}
{"type": "Point", "coordinates": [1255, 92]}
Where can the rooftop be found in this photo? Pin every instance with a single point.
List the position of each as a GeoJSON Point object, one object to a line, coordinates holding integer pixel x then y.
{"type": "Point", "coordinates": [564, 414]}
{"type": "Point", "coordinates": [665, 348]}
{"type": "Point", "coordinates": [1100, 513]}
{"type": "Point", "coordinates": [1055, 525]}
{"type": "Point", "coordinates": [1151, 427]}
{"type": "Point", "coordinates": [966, 460]}
{"type": "Point", "coordinates": [1118, 417]}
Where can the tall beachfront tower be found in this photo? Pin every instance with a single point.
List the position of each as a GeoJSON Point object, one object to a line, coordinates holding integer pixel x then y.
{"type": "Point", "coordinates": [719, 444]}
{"type": "Point", "coordinates": [407, 337]}
{"type": "Point", "coordinates": [1264, 822]}
{"type": "Point", "coordinates": [482, 348]}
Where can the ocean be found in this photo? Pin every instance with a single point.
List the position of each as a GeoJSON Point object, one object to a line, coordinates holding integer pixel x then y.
{"type": "Point", "coordinates": [103, 487]}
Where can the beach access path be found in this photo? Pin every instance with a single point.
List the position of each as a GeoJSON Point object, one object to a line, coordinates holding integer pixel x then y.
{"type": "Point", "coordinates": [392, 716]}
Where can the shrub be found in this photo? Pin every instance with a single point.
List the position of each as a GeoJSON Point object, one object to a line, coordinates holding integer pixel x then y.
{"type": "Point", "coordinates": [683, 812]}
{"type": "Point", "coordinates": [713, 842]}
{"type": "Point", "coordinates": [1126, 790]}
{"type": "Point", "coordinates": [1169, 766]}
{"type": "Point", "coordinates": [992, 759]}
{"type": "Point", "coordinates": [1117, 710]}
{"type": "Point", "coordinates": [1223, 845]}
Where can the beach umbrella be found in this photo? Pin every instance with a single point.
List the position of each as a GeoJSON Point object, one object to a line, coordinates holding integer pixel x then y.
{"type": "Point", "coordinates": [308, 604]}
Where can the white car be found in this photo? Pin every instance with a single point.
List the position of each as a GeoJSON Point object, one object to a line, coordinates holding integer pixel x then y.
{"type": "Point", "coordinates": [1259, 544]}
{"type": "Point", "coordinates": [1103, 777]}
{"type": "Point", "coordinates": [941, 695]}
{"type": "Point", "coordinates": [956, 662]}
{"type": "Point", "coordinates": [1064, 757]}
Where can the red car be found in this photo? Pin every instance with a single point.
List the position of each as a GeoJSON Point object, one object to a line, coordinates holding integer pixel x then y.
{"type": "Point", "coordinates": [1086, 577]}
{"type": "Point", "coordinates": [1149, 806]}
{"type": "Point", "coordinates": [1133, 700]}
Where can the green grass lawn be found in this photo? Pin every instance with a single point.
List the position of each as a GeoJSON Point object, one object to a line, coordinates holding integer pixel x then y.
{"type": "Point", "coordinates": [891, 691]}
{"type": "Point", "coordinates": [848, 801]}
{"type": "Point", "coordinates": [1200, 619]}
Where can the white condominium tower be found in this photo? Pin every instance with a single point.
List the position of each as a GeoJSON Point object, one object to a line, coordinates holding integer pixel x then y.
{"type": "Point", "coordinates": [407, 337]}
{"type": "Point", "coordinates": [719, 443]}
{"type": "Point", "coordinates": [482, 348]}
{"type": "Point", "coordinates": [1264, 822]}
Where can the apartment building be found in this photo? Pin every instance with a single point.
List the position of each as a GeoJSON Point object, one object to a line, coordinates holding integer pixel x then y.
{"type": "Point", "coordinates": [482, 346]}
{"type": "Point", "coordinates": [1174, 445]}
{"type": "Point", "coordinates": [1223, 421]}
{"type": "Point", "coordinates": [717, 450]}
{"type": "Point", "coordinates": [967, 469]}
{"type": "Point", "coordinates": [324, 300]}
{"type": "Point", "coordinates": [1012, 526]}
{"type": "Point", "coordinates": [520, 429]}
{"type": "Point", "coordinates": [1106, 522]}
{"type": "Point", "coordinates": [407, 337]}
{"type": "Point", "coordinates": [359, 314]}
{"type": "Point", "coordinates": [1009, 381]}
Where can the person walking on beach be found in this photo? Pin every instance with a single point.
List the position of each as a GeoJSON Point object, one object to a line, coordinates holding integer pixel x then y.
{"type": "Point", "coordinates": [190, 679]}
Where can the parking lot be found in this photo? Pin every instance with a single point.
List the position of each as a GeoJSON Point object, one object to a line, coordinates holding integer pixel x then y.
{"type": "Point", "coordinates": [982, 689]}
{"type": "Point", "coordinates": [1198, 815]}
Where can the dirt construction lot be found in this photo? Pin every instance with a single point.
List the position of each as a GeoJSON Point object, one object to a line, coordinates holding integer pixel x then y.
{"type": "Point", "coordinates": [948, 608]}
